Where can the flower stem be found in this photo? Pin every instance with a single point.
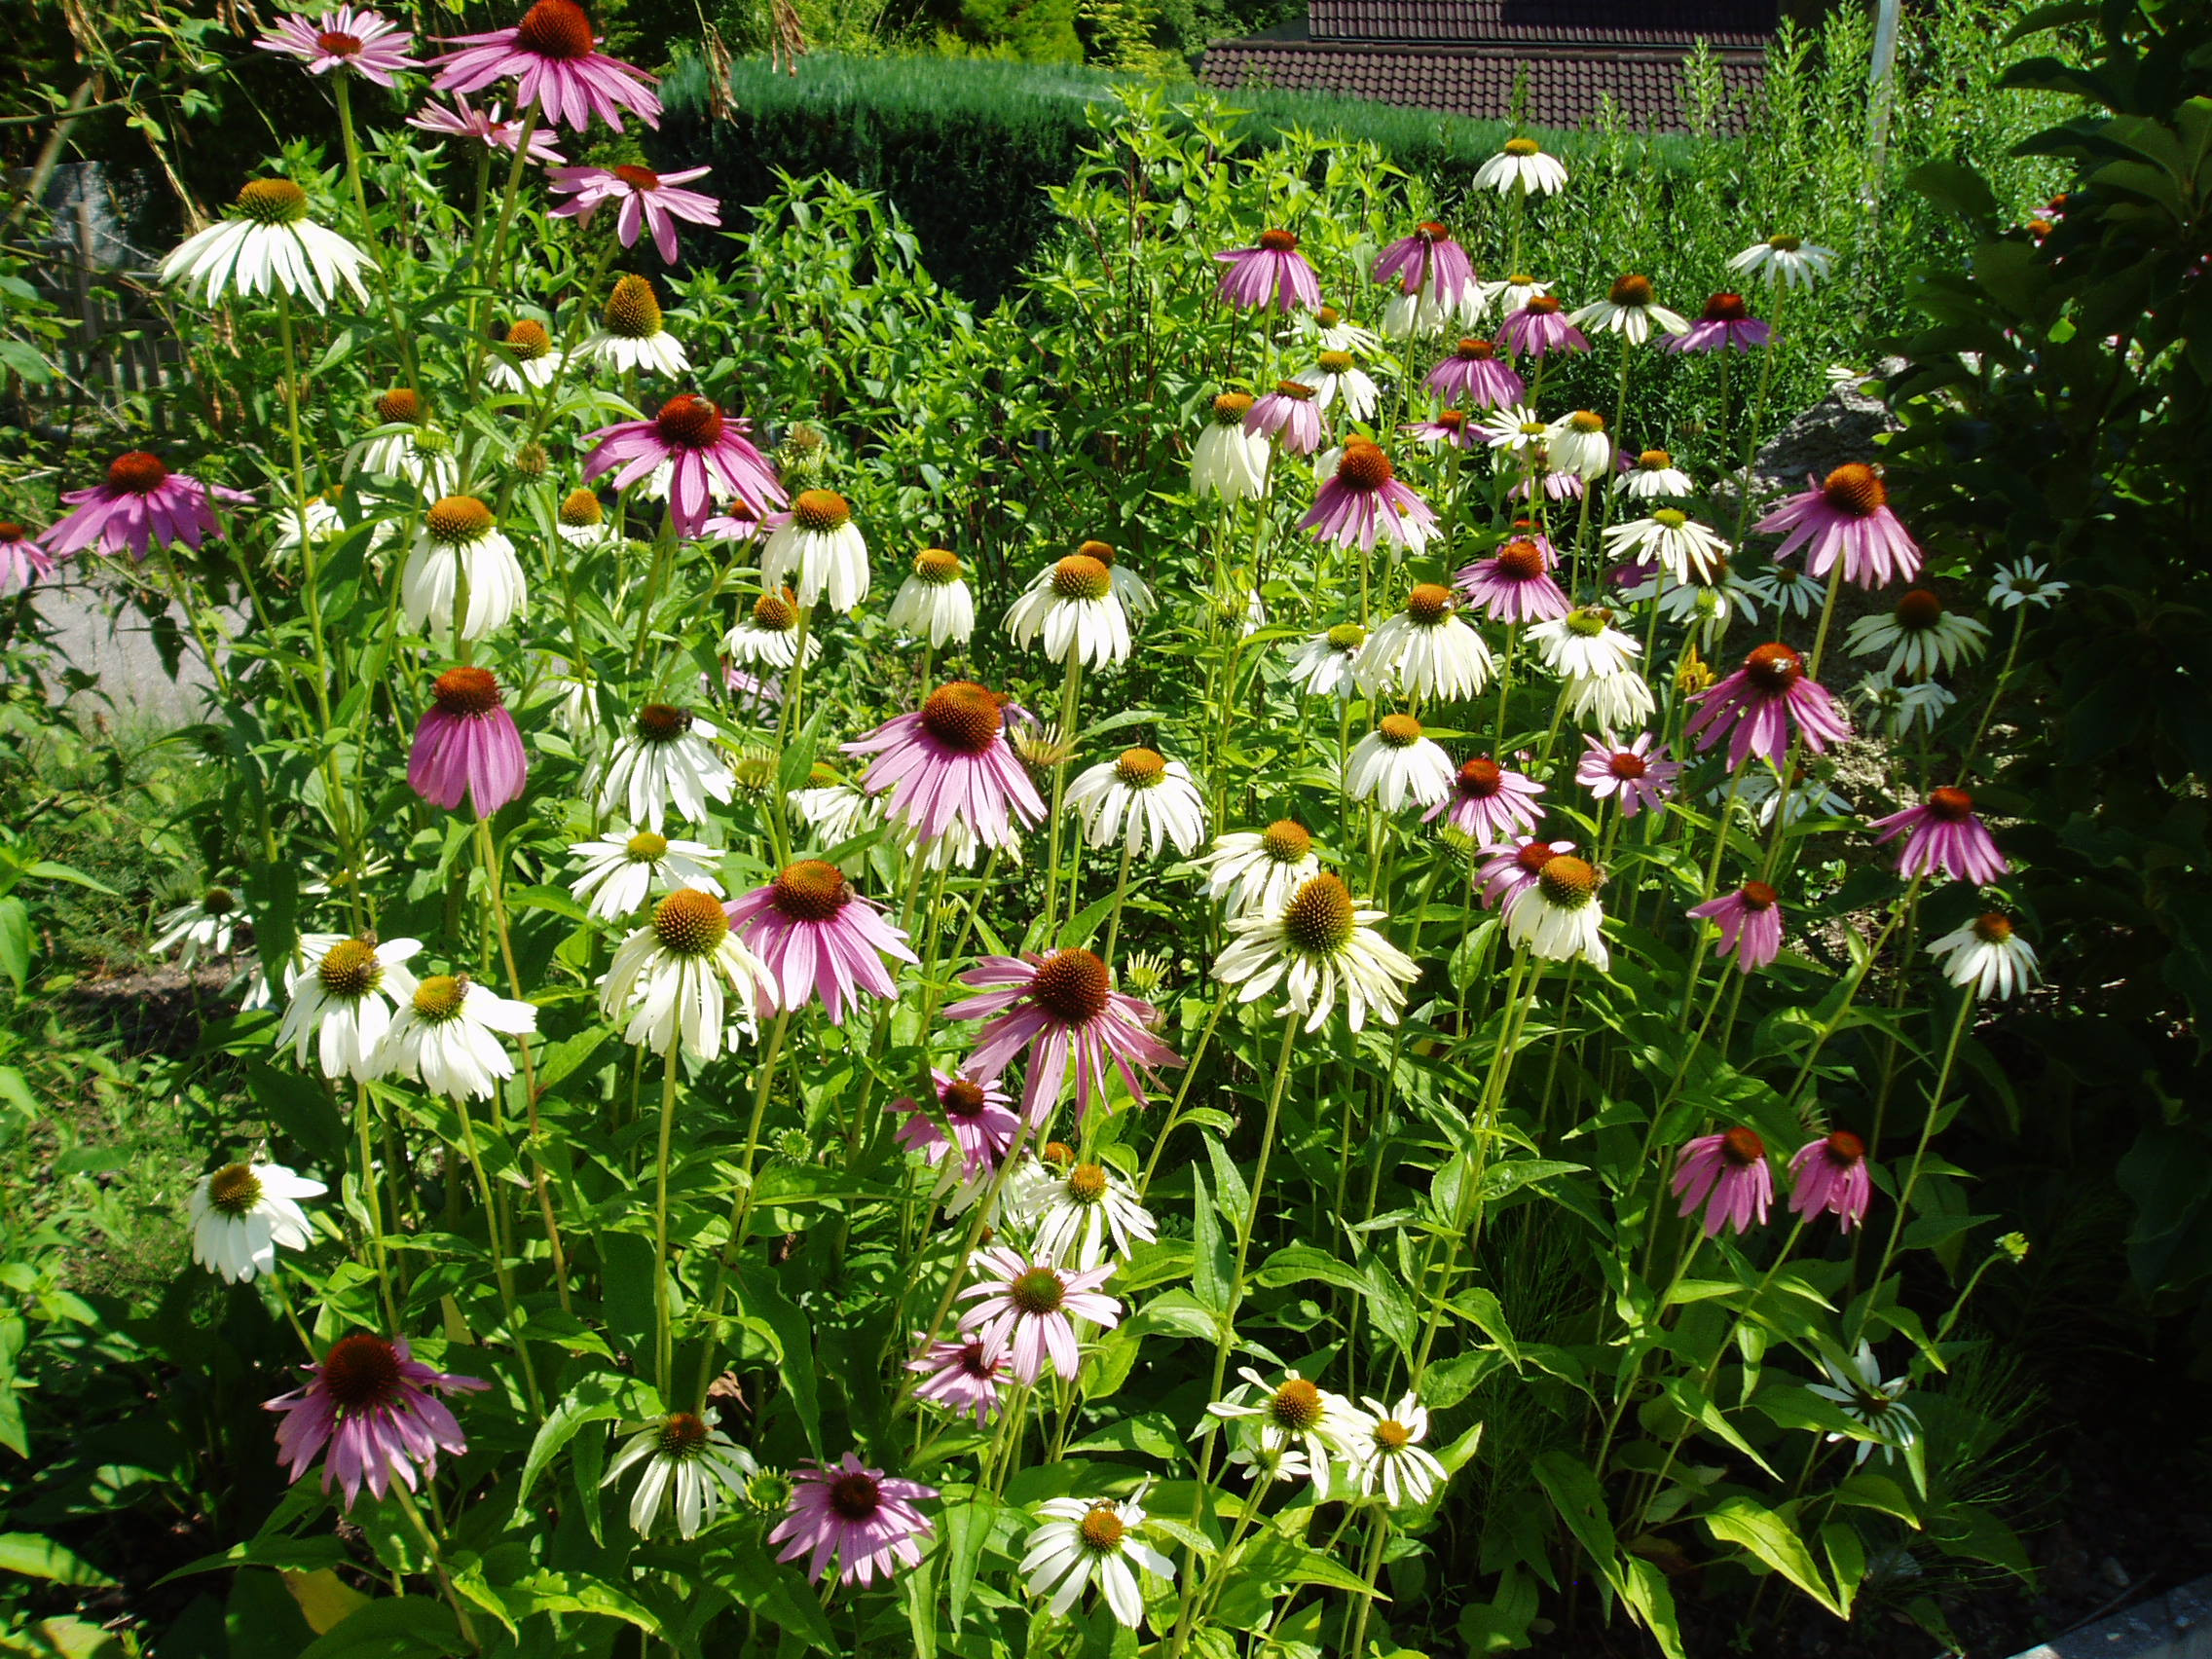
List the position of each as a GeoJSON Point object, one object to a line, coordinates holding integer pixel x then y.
{"type": "Point", "coordinates": [663, 1334]}
{"type": "Point", "coordinates": [1120, 893]}
{"type": "Point", "coordinates": [740, 1205]}
{"type": "Point", "coordinates": [1070, 690]}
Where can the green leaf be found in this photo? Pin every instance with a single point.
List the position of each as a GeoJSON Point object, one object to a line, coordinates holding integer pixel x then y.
{"type": "Point", "coordinates": [14, 940]}
{"type": "Point", "coordinates": [1753, 1527]}
{"type": "Point", "coordinates": [1847, 1560]}
{"type": "Point", "coordinates": [1304, 1264]}
{"type": "Point", "coordinates": [778, 1594]}
{"type": "Point", "coordinates": [1864, 1490]}
{"type": "Point", "coordinates": [38, 1557]}
{"type": "Point", "coordinates": [597, 1398]}
{"type": "Point", "coordinates": [792, 1331]}
{"type": "Point", "coordinates": [400, 1627]}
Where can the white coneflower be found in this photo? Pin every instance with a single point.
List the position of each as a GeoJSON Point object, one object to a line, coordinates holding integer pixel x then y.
{"type": "Point", "coordinates": [688, 1461]}
{"type": "Point", "coordinates": [820, 544]}
{"type": "Point", "coordinates": [1427, 649]}
{"type": "Point", "coordinates": [1585, 642]}
{"type": "Point", "coordinates": [206, 926]}
{"type": "Point", "coordinates": [1921, 635]}
{"type": "Point", "coordinates": [1128, 587]}
{"type": "Point", "coordinates": [2025, 582]}
{"type": "Point", "coordinates": [1228, 461]}
{"type": "Point", "coordinates": [1655, 478]}
{"type": "Point", "coordinates": [677, 977]}
{"type": "Point", "coordinates": [1074, 609]}
{"type": "Point", "coordinates": [580, 520]}
{"type": "Point", "coordinates": [1254, 872]}
{"type": "Point", "coordinates": [1607, 701]}
{"type": "Point", "coordinates": [1071, 1216]}
{"type": "Point", "coordinates": [1857, 1386]}
{"type": "Point", "coordinates": [667, 758]}
{"type": "Point", "coordinates": [1808, 797]}
{"type": "Point", "coordinates": [1295, 1416]}
{"type": "Point", "coordinates": [1705, 602]}
{"type": "Point", "coordinates": [1336, 377]}
{"type": "Point", "coordinates": [1897, 709]}
{"type": "Point", "coordinates": [769, 634]}
{"type": "Point", "coordinates": [1510, 294]}
{"type": "Point", "coordinates": [1579, 443]}
{"type": "Point", "coordinates": [242, 1212]}
{"type": "Point", "coordinates": [269, 247]}
{"type": "Point", "coordinates": [1630, 311]}
{"type": "Point", "coordinates": [1786, 262]}
{"type": "Point", "coordinates": [1558, 916]}
{"type": "Point", "coordinates": [1086, 1539]}
{"type": "Point", "coordinates": [459, 536]}
{"type": "Point", "coordinates": [447, 1037]}
{"type": "Point", "coordinates": [629, 336]}
{"type": "Point", "coordinates": [341, 992]}
{"type": "Point", "coordinates": [1395, 766]}
{"type": "Point", "coordinates": [933, 603]}
{"type": "Point", "coordinates": [1317, 947]}
{"type": "Point", "coordinates": [1684, 547]}
{"type": "Point", "coordinates": [1522, 166]}
{"type": "Point", "coordinates": [1326, 664]}
{"type": "Point", "coordinates": [527, 359]}
{"type": "Point", "coordinates": [407, 445]}
{"type": "Point", "coordinates": [1987, 956]}
{"type": "Point", "coordinates": [1383, 1444]}
{"type": "Point", "coordinates": [1514, 428]}
{"type": "Point", "coordinates": [1789, 590]}
{"type": "Point", "coordinates": [1153, 794]}
{"type": "Point", "coordinates": [837, 812]}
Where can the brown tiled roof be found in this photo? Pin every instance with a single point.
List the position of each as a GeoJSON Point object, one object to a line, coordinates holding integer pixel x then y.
{"type": "Point", "coordinates": [1565, 81]}
{"type": "Point", "coordinates": [1744, 24]}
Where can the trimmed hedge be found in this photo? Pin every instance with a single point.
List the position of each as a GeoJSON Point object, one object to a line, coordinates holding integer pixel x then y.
{"type": "Point", "coordinates": [966, 147]}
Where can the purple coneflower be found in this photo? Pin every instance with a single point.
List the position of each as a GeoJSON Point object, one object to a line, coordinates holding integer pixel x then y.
{"type": "Point", "coordinates": [1473, 372]}
{"type": "Point", "coordinates": [1944, 836]}
{"type": "Point", "coordinates": [1508, 867]}
{"type": "Point", "coordinates": [1732, 1169]}
{"type": "Point", "coordinates": [1364, 503]}
{"type": "Point", "coordinates": [1640, 775]}
{"type": "Point", "coordinates": [853, 1512]}
{"type": "Point", "coordinates": [1487, 803]}
{"type": "Point", "coordinates": [1750, 920]}
{"type": "Point", "coordinates": [143, 502]}
{"type": "Point", "coordinates": [1059, 1008]}
{"type": "Point", "coordinates": [1726, 324]}
{"type": "Point", "coordinates": [369, 1401]}
{"type": "Point", "coordinates": [1289, 416]}
{"type": "Point", "coordinates": [1429, 266]}
{"type": "Point", "coordinates": [950, 764]}
{"type": "Point", "coordinates": [372, 46]}
{"type": "Point", "coordinates": [819, 938]}
{"type": "Point", "coordinates": [1537, 330]}
{"type": "Point", "coordinates": [557, 65]}
{"type": "Point", "coordinates": [979, 1114]}
{"type": "Point", "coordinates": [1759, 703]}
{"type": "Point", "coordinates": [1028, 1310]}
{"type": "Point", "coordinates": [1274, 272]}
{"type": "Point", "coordinates": [649, 202]}
{"type": "Point", "coordinates": [1514, 584]}
{"type": "Point", "coordinates": [468, 746]}
{"type": "Point", "coordinates": [24, 558]}
{"type": "Point", "coordinates": [961, 1377]}
{"type": "Point", "coordinates": [1831, 1175]}
{"type": "Point", "coordinates": [1449, 426]}
{"type": "Point", "coordinates": [488, 126]}
{"type": "Point", "coordinates": [1846, 516]}
{"type": "Point", "coordinates": [706, 452]}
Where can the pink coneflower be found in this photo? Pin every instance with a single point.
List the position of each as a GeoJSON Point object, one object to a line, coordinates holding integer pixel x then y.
{"type": "Point", "coordinates": [1555, 483]}
{"type": "Point", "coordinates": [1507, 869]}
{"type": "Point", "coordinates": [1364, 503]}
{"type": "Point", "coordinates": [979, 1114]}
{"type": "Point", "coordinates": [705, 449]}
{"type": "Point", "coordinates": [1059, 1008]}
{"type": "Point", "coordinates": [1289, 416]}
{"type": "Point", "coordinates": [1428, 264]}
{"type": "Point", "coordinates": [1450, 426]}
{"type": "Point", "coordinates": [819, 938]}
{"type": "Point", "coordinates": [370, 45]}
{"type": "Point", "coordinates": [1750, 920]}
{"type": "Point", "coordinates": [648, 200]}
{"type": "Point", "coordinates": [1846, 516]}
{"type": "Point", "coordinates": [1759, 703]}
{"type": "Point", "coordinates": [1726, 324]}
{"type": "Point", "coordinates": [1028, 1310]}
{"type": "Point", "coordinates": [143, 502]}
{"type": "Point", "coordinates": [1474, 373]}
{"type": "Point", "coordinates": [1537, 330]}
{"type": "Point", "coordinates": [1831, 1175]}
{"type": "Point", "coordinates": [961, 1377]}
{"type": "Point", "coordinates": [557, 65]}
{"type": "Point", "coordinates": [1732, 1169]}
{"type": "Point", "coordinates": [488, 126]}
{"type": "Point", "coordinates": [1274, 272]}
{"type": "Point", "coordinates": [1489, 803]}
{"type": "Point", "coordinates": [468, 746]}
{"type": "Point", "coordinates": [950, 764]}
{"type": "Point", "coordinates": [1514, 584]}
{"type": "Point", "coordinates": [1640, 775]}
{"type": "Point", "coordinates": [853, 1512]}
{"type": "Point", "coordinates": [1945, 836]}
{"type": "Point", "coordinates": [23, 558]}
{"type": "Point", "coordinates": [369, 1401]}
